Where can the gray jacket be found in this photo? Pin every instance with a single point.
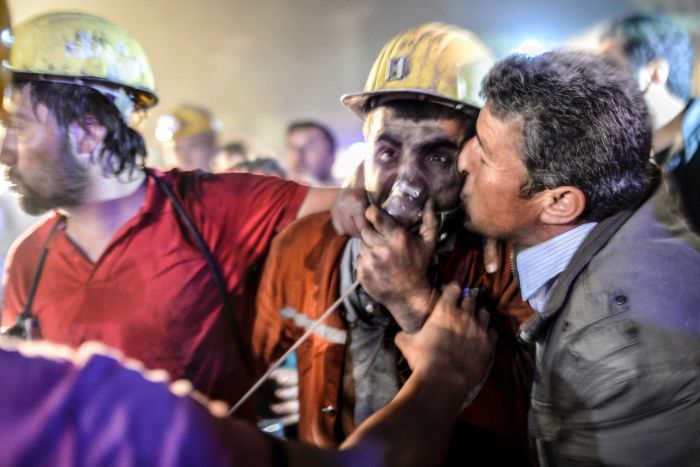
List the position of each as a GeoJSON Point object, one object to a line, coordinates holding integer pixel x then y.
{"type": "Point", "coordinates": [618, 346]}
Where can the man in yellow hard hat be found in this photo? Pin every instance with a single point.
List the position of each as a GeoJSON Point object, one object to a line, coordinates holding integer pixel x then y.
{"type": "Point", "coordinates": [155, 264]}
{"type": "Point", "coordinates": [190, 132]}
{"type": "Point", "coordinates": [419, 104]}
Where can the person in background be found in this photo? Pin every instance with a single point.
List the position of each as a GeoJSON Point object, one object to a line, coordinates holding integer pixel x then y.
{"type": "Point", "coordinates": [660, 54]}
{"type": "Point", "coordinates": [261, 166]}
{"type": "Point", "coordinates": [230, 155]}
{"type": "Point", "coordinates": [191, 133]}
{"type": "Point", "coordinates": [310, 153]}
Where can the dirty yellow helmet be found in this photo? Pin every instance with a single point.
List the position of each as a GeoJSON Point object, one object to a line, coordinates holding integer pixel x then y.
{"type": "Point", "coordinates": [433, 62]}
{"type": "Point", "coordinates": [185, 121]}
{"type": "Point", "coordinates": [77, 48]}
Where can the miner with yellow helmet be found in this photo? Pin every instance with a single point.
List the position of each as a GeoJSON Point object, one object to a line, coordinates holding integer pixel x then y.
{"type": "Point", "coordinates": [84, 50]}
{"type": "Point", "coordinates": [103, 72]}
{"type": "Point", "coordinates": [419, 105]}
{"type": "Point", "coordinates": [190, 132]}
{"type": "Point", "coordinates": [155, 264]}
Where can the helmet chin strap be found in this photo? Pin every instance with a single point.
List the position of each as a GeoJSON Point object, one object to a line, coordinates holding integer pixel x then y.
{"type": "Point", "coordinates": [444, 216]}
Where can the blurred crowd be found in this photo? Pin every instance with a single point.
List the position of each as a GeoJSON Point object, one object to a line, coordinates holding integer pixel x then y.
{"type": "Point", "coordinates": [190, 139]}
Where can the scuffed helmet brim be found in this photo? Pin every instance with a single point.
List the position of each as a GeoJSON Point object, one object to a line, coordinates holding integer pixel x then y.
{"type": "Point", "coordinates": [143, 98]}
{"type": "Point", "coordinates": [360, 103]}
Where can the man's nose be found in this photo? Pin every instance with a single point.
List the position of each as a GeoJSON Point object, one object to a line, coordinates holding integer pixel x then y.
{"type": "Point", "coordinates": [410, 181]}
{"type": "Point", "coordinates": [294, 156]}
{"type": "Point", "coordinates": [8, 150]}
{"type": "Point", "coordinates": [464, 156]}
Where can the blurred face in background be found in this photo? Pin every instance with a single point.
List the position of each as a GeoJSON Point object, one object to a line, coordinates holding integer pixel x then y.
{"type": "Point", "coordinates": [195, 152]}
{"type": "Point", "coordinates": [309, 155]}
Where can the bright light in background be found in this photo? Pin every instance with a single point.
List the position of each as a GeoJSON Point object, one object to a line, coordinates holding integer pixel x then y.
{"type": "Point", "coordinates": [348, 159]}
{"type": "Point", "coordinates": [166, 128]}
{"type": "Point", "coordinates": [6, 38]}
{"type": "Point", "coordinates": [532, 47]}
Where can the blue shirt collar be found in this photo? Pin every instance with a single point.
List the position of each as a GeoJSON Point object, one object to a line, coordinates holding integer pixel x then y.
{"type": "Point", "coordinates": [539, 265]}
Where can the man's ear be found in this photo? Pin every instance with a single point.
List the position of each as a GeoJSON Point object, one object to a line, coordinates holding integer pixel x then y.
{"type": "Point", "coordinates": [562, 205]}
{"type": "Point", "coordinates": [86, 136]}
{"type": "Point", "coordinates": [654, 73]}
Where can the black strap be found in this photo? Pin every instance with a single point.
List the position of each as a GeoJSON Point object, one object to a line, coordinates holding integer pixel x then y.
{"type": "Point", "coordinates": [27, 309]}
{"type": "Point", "coordinates": [211, 262]}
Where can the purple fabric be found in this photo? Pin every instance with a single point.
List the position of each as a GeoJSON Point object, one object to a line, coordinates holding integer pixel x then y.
{"type": "Point", "coordinates": [54, 412]}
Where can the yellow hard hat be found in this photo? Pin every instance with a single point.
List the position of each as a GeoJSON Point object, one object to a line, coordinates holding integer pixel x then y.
{"type": "Point", "coordinates": [432, 62]}
{"type": "Point", "coordinates": [185, 121]}
{"type": "Point", "coordinates": [81, 49]}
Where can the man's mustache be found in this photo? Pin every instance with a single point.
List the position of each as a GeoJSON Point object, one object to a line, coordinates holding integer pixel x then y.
{"type": "Point", "coordinates": [13, 177]}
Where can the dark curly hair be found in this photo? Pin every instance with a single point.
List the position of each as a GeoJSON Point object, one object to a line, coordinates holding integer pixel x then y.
{"type": "Point", "coordinates": [584, 124]}
{"type": "Point", "coordinates": [645, 37]}
{"type": "Point", "coordinates": [123, 148]}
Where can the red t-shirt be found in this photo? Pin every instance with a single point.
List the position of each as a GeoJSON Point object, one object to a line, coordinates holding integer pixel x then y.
{"type": "Point", "coordinates": [151, 294]}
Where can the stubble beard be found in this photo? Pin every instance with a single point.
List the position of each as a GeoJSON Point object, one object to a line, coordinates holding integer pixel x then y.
{"type": "Point", "coordinates": [65, 181]}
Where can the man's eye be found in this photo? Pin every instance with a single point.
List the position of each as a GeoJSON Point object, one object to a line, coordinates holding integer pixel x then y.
{"type": "Point", "coordinates": [387, 155]}
{"type": "Point", "coordinates": [439, 158]}
{"type": "Point", "coordinates": [15, 126]}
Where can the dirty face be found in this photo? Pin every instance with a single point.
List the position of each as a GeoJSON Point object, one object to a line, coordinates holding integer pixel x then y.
{"type": "Point", "coordinates": [412, 161]}
{"type": "Point", "coordinates": [41, 165]}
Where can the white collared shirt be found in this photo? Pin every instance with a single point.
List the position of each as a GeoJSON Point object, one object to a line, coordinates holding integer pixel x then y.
{"type": "Point", "coordinates": [539, 266]}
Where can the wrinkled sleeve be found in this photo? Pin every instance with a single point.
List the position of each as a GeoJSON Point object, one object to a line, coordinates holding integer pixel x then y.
{"type": "Point", "coordinates": [621, 413]}
{"type": "Point", "coordinates": [246, 205]}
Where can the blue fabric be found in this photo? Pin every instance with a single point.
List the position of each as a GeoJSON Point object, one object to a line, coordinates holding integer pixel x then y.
{"type": "Point", "coordinates": [91, 410]}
